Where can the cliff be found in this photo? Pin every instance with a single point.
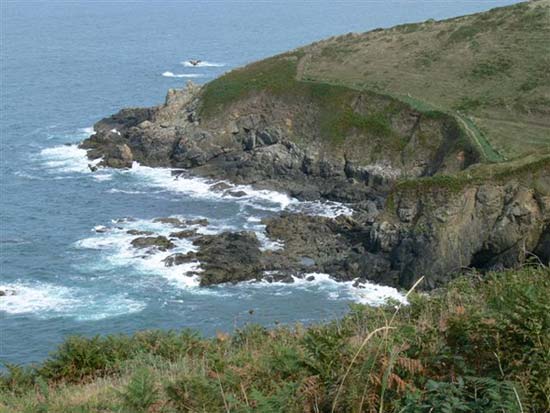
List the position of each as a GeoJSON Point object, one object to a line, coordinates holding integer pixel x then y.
{"type": "Point", "coordinates": [438, 140]}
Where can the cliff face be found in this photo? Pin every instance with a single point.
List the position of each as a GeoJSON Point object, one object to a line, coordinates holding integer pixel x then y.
{"type": "Point", "coordinates": [439, 231]}
{"type": "Point", "coordinates": [426, 199]}
{"type": "Point", "coordinates": [433, 223]}
{"type": "Point", "coordinates": [273, 140]}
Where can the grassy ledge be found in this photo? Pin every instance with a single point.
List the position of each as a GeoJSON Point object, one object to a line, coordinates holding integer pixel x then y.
{"type": "Point", "coordinates": [479, 345]}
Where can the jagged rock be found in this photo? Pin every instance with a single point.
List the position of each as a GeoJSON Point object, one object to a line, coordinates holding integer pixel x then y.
{"type": "Point", "coordinates": [160, 242]}
{"type": "Point", "coordinates": [278, 143]}
{"type": "Point", "coordinates": [184, 234]}
{"type": "Point", "coordinates": [7, 292]}
{"type": "Point", "coordinates": [139, 232]}
{"type": "Point", "coordinates": [220, 186]}
{"type": "Point", "coordinates": [179, 258]}
{"type": "Point", "coordinates": [236, 194]}
{"type": "Point", "coordinates": [171, 221]}
{"type": "Point", "coordinates": [203, 222]}
{"type": "Point", "coordinates": [229, 257]}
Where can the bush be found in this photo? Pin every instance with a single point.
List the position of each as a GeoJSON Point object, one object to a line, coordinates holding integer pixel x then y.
{"type": "Point", "coordinates": [140, 393]}
{"type": "Point", "coordinates": [482, 344]}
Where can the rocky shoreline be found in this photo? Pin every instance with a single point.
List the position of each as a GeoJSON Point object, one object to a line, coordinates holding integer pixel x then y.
{"type": "Point", "coordinates": [394, 235]}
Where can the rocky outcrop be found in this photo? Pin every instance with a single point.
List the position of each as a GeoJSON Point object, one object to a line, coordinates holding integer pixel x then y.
{"type": "Point", "coordinates": [158, 242]}
{"type": "Point", "coordinates": [229, 257]}
{"type": "Point", "coordinates": [442, 232]}
{"type": "Point", "coordinates": [276, 143]}
{"type": "Point", "coordinates": [397, 233]}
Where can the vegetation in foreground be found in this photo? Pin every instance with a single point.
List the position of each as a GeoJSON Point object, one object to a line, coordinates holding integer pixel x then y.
{"type": "Point", "coordinates": [480, 345]}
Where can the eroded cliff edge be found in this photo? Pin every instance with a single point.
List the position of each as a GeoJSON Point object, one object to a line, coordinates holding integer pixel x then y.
{"type": "Point", "coordinates": [427, 200]}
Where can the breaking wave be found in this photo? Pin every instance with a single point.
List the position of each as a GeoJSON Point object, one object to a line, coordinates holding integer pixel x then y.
{"type": "Point", "coordinates": [179, 75]}
{"type": "Point", "coordinates": [44, 300]}
{"type": "Point", "coordinates": [187, 63]}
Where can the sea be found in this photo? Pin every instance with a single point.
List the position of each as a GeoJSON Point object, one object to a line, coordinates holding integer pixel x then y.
{"type": "Point", "coordinates": [65, 256]}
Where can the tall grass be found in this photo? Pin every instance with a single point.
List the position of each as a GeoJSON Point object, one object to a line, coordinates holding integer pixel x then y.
{"type": "Point", "coordinates": [480, 345]}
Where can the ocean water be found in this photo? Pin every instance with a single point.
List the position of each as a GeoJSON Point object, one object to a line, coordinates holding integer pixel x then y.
{"type": "Point", "coordinates": [63, 240]}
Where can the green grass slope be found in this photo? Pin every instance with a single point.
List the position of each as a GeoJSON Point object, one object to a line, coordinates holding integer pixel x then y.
{"type": "Point", "coordinates": [490, 71]}
{"type": "Point", "coordinates": [479, 345]}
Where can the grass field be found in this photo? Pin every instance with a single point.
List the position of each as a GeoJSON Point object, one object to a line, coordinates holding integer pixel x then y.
{"type": "Point", "coordinates": [492, 69]}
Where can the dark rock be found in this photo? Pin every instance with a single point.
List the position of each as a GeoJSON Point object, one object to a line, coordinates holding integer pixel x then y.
{"type": "Point", "coordinates": [276, 276]}
{"type": "Point", "coordinates": [188, 233]}
{"type": "Point", "coordinates": [139, 232]}
{"type": "Point", "coordinates": [236, 194]}
{"type": "Point", "coordinates": [310, 278]}
{"type": "Point", "coordinates": [203, 222]}
{"type": "Point", "coordinates": [171, 221]}
{"type": "Point", "coordinates": [162, 243]}
{"type": "Point", "coordinates": [179, 258]}
{"type": "Point", "coordinates": [125, 219]}
{"type": "Point", "coordinates": [220, 186]}
{"type": "Point", "coordinates": [229, 257]}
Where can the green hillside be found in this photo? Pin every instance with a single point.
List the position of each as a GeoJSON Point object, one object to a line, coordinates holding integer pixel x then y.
{"type": "Point", "coordinates": [491, 71]}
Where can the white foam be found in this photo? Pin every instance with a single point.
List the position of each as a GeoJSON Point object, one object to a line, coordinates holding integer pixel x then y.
{"type": "Point", "coordinates": [124, 191]}
{"type": "Point", "coordinates": [365, 293]}
{"type": "Point", "coordinates": [102, 176]}
{"type": "Point", "coordinates": [202, 64]}
{"type": "Point", "coordinates": [45, 300]}
{"type": "Point", "coordinates": [201, 187]}
{"type": "Point", "coordinates": [67, 158]}
{"type": "Point", "coordinates": [72, 159]}
{"type": "Point", "coordinates": [180, 75]}
{"type": "Point", "coordinates": [164, 178]}
{"type": "Point", "coordinates": [118, 252]}
{"type": "Point", "coordinates": [326, 209]}
{"type": "Point", "coordinates": [94, 308]}
{"type": "Point", "coordinates": [375, 294]}
{"type": "Point", "coordinates": [87, 131]}
{"type": "Point", "coordinates": [37, 298]}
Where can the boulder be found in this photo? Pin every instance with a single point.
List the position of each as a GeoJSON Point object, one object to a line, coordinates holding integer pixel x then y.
{"type": "Point", "coordinates": [186, 233]}
{"type": "Point", "coordinates": [229, 257]}
{"type": "Point", "coordinates": [160, 242]}
{"type": "Point", "coordinates": [171, 221]}
{"type": "Point", "coordinates": [139, 232]}
{"type": "Point", "coordinates": [179, 258]}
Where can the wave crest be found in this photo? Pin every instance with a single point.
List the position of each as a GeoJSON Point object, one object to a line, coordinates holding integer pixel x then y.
{"type": "Point", "coordinates": [187, 63]}
{"type": "Point", "coordinates": [179, 75]}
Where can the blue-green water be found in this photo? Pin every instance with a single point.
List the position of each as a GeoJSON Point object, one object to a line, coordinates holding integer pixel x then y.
{"type": "Point", "coordinates": [65, 65]}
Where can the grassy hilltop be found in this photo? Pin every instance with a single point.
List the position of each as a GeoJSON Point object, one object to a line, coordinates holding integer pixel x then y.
{"type": "Point", "coordinates": [491, 71]}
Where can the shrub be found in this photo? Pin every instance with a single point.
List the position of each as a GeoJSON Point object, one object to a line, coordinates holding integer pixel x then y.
{"type": "Point", "coordinates": [140, 393]}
